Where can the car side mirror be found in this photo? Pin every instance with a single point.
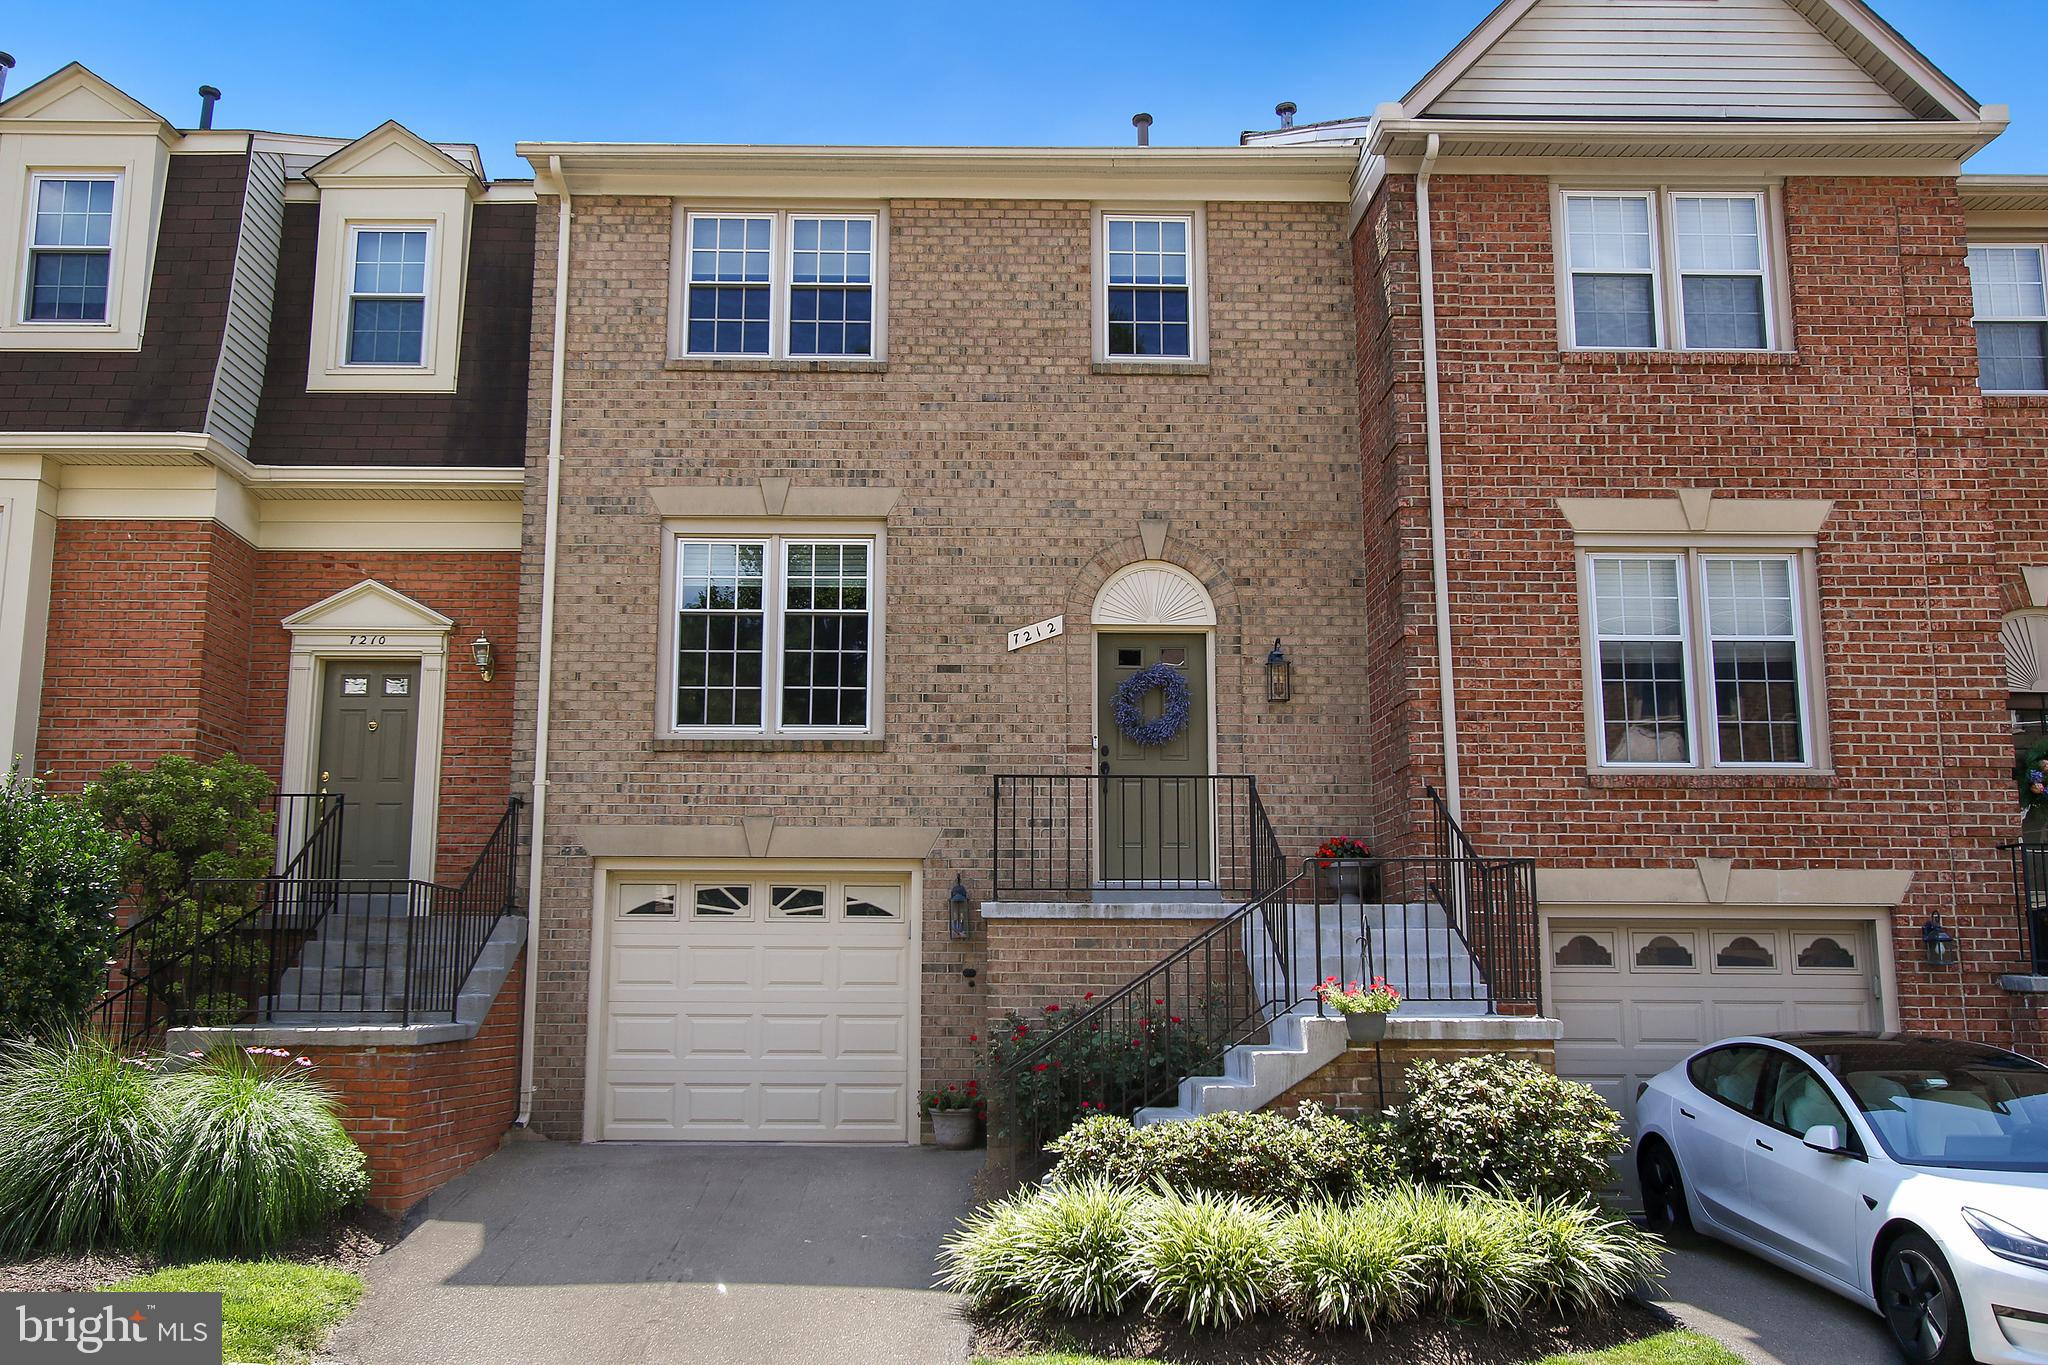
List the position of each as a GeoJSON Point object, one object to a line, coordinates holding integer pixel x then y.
{"type": "Point", "coordinates": [1826, 1138]}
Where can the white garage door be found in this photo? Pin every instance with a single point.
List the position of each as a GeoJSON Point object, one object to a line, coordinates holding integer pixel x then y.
{"type": "Point", "coordinates": [747, 1007]}
{"type": "Point", "coordinates": [1637, 996]}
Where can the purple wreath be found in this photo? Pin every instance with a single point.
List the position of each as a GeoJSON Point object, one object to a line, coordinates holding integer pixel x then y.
{"type": "Point", "coordinates": [1130, 706]}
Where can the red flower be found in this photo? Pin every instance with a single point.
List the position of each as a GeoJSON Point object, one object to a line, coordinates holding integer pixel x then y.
{"type": "Point", "coordinates": [1089, 996]}
{"type": "Point", "coordinates": [974, 1037]}
{"type": "Point", "coordinates": [1176, 1018]}
{"type": "Point", "coordinates": [1052, 1009]}
{"type": "Point", "coordinates": [1041, 1066]}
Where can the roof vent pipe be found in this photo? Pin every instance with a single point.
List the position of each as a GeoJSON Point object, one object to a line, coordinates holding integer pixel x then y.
{"type": "Point", "coordinates": [207, 95]}
{"type": "Point", "coordinates": [1285, 109]}
{"type": "Point", "coordinates": [6, 65]}
{"type": "Point", "coordinates": [1143, 123]}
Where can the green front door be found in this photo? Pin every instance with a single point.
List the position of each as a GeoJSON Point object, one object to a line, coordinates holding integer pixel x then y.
{"type": "Point", "coordinates": [369, 727]}
{"type": "Point", "coordinates": [1155, 808]}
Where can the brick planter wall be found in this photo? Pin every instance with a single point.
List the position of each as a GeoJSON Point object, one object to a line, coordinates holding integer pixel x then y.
{"type": "Point", "coordinates": [1036, 962]}
{"type": "Point", "coordinates": [424, 1115]}
{"type": "Point", "coordinates": [1350, 1084]}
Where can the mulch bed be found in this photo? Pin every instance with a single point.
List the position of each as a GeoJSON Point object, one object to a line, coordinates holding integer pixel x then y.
{"type": "Point", "coordinates": [1273, 1343]}
{"type": "Point", "coordinates": [348, 1244]}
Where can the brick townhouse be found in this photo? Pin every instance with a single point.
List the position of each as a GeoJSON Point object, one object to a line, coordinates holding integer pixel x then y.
{"type": "Point", "coordinates": [1596, 441]}
{"type": "Point", "coordinates": [262, 405]}
{"type": "Point", "coordinates": [951, 581]}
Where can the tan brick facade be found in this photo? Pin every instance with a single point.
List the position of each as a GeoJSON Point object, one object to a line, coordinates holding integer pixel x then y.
{"type": "Point", "coordinates": [1024, 474]}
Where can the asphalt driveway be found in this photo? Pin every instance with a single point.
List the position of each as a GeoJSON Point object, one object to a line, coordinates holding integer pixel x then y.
{"type": "Point", "coordinates": [1764, 1314]}
{"type": "Point", "coordinates": [552, 1252]}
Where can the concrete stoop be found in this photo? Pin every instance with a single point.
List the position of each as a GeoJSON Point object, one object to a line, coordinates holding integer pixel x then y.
{"type": "Point", "coordinates": [1256, 1074]}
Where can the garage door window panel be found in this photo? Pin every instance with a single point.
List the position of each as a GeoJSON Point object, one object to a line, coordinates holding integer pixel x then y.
{"type": "Point", "coordinates": [1825, 953]}
{"type": "Point", "coordinates": [874, 902]}
{"type": "Point", "coordinates": [647, 902]}
{"type": "Point", "coordinates": [1590, 951]}
{"type": "Point", "coordinates": [722, 901]}
{"type": "Point", "coordinates": [796, 902]}
{"type": "Point", "coordinates": [1745, 953]}
{"type": "Point", "coordinates": [1672, 952]}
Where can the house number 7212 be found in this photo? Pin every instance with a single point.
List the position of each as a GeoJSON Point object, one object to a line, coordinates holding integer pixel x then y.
{"type": "Point", "coordinates": [367, 639]}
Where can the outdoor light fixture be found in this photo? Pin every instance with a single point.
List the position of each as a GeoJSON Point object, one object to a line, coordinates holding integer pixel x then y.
{"type": "Point", "coordinates": [480, 650]}
{"type": "Point", "coordinates": [1279, 674]}
{"type": "Point", "coordinates": [956, 901]}
{"type": "Point", "coordinates": [1939, 943]}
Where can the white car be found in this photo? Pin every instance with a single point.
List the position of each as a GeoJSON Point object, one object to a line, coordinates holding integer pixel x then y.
{"type": "Point", "coordinates": [1909, 1174]}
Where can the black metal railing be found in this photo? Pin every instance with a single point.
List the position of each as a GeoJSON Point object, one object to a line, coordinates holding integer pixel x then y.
{"type": "Point", "coordinates": [1447, 928]}
{"type": "Point", "coordinates": [2030, 897]}
{"type": "Point", "coordinates": [310, 945]}
{"type": "Point", "coordinates": [1068, 835]}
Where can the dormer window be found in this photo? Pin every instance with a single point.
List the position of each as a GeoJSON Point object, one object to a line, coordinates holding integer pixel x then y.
{"type": "Point", "coordinates": [387, 301]}
{"type": "Point", "coordinates": [71, 249]}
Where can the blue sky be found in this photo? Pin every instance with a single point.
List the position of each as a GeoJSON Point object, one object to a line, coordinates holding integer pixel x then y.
{"type": "Point", "coordinates": [1013, 73]}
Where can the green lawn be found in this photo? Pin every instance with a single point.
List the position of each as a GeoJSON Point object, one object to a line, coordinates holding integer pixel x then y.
{"type": "Point", "coordinates": [1670, 1348]}
{"type": "Point", "coordinates": [272, 1311]}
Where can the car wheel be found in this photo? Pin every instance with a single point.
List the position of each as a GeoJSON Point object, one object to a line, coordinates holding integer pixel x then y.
{"type": "Point", "coordinates": [1663, 1190]}
{"type": "Point", "coordinates": [1920, 1302]}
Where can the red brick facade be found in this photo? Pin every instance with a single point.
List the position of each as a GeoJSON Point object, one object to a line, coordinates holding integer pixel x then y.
{"type": "Point", "coordinates": [1877, 409]}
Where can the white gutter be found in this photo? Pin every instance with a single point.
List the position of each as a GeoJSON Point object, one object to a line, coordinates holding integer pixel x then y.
{"type": "Point", "coordinates": [545, 660]}
{"type": "Point", "coordinates": [1439, 564]}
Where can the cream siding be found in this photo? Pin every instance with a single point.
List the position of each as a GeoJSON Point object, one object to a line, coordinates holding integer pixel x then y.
{"type": "Point", "coordinates": [1644, 59]}
{"type": "Point", "coordinates": [245, 343]}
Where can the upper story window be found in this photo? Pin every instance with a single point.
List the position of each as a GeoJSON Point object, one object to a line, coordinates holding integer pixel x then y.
{"type": "Point", "coordinates": [71, 249]}
{"type": "Point", "coordinates": [1149, 288]}
{"type": "Point", "coordinates": [387, 295]}
{"type": "Point", "coordinates": [1689, 634]}
{"type": "Point", "coordinates": [1648, 270]}
{"type": "Point", "coordinates": [781, 284]}
{"type": "Point", "coordinates": [775, 634]}
{"type": "Point", "coordinates": [2010, 290]}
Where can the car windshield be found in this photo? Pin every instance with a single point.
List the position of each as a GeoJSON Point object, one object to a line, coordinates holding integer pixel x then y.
{"type": "Point", "coordinates": [1946, 1104]}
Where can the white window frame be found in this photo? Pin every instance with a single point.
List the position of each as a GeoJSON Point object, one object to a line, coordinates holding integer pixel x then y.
{"type": "Point", "coordinates": [775, 562]}
{"type": "Point", "coordinates": [1667, 280]}
{"type": "Point", "coordinates": [1198, 283]}
{"type": "Point", "coordinates": [349, 296]}
{"type": "Point", "coordinates": [2039, 248]}
{"type": "Point", "coordinates": [1702, 712]}
{"type": "Point", "coordinates": [781, 280]}
{"type": "Point", "coordinates": [30, 250]}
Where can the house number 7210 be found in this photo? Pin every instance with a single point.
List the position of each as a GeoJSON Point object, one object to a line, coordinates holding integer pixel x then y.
{"type": "Point", "coordinates": [367, 639]}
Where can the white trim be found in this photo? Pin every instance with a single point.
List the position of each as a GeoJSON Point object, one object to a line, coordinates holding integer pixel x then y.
{"type": "Point", "coordinates": [110, 318]}
{"type": "Point", "coordinates": [370, 621]}
{"type": "Point", "coordinates": [682, 870]}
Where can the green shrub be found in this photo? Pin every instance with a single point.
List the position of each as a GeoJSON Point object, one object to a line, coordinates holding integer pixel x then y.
{"type": "Point", "coordinates": [1503, 1123]}
{"type": "Point", "coordinates": [60, 880]}
{"type": "Point", "coordinates": [1061, 1251]}
{"type": "Point", "coordinates": [1264, 1155]}
{"type": "Point", "coordinates": [1211, 1260]}
{"type": "Point", "coordinates": [1345, 1265]}
{"type": "Point", "coordinates": [1095, 1068]}
{"type": "Point", "coordinates": [257, 1156]}
{"type": "Point", "coordinates": [1214, 1260]}
{"type": "Point", "coordinates": [82, 1131]}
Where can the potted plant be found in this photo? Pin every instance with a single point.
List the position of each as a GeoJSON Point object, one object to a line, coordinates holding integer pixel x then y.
{"type": "Point", "coordinates": [955, 1114]}
{"type": "Point", "coordinates": [1365, 1009]}
{"type": "Point", "coordinates": [1354, 873]}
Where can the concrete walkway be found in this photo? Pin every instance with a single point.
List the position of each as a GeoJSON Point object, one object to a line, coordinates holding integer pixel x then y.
{"type": "Point", "coordinates": [554, 1252]}
{"type": "Point", "coordinates": [1766, 1315]}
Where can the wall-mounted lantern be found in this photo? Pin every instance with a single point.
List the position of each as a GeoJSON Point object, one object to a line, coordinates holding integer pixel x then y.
{"type": "Point", "coordinates": [480, 650]}
{"type": "Point", "coordinates": [1279, 674]}
{"type": "Point", "coordinates": [1939, 943]}
{"type": "Point", "coordinates": [958, 923]}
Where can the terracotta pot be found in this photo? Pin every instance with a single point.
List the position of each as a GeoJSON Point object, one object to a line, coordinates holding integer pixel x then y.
{"type": "Point", "coordinates": [1365, 1029]}
{"type": "Point", "coordinates": [953, 1129]}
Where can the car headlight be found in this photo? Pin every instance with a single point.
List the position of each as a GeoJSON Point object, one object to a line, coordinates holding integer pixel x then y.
{"type": "Point", "coordinates": [2004, 1240]}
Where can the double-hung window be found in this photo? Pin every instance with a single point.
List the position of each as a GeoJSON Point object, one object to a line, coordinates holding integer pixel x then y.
{"type": "Point", "coordinates": [1688, 634]}
{"type": "Point", "coordinates": [1148, 284]}
{"type": "Point", "coordinates": [387, 295]}
{"type": "Point", "coordinates": [781, 285]}
{"type": "Point", "coordinates": [71, 249]}
{"type": "Point", "coordinates": [774, 634]}
{"type": "Point", "coordinates": [2009, 287]}
{"type": "Point", "coordinates": [1647, 270]}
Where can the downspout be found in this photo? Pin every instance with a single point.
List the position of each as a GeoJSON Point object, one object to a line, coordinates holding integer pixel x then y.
{"type": "Point", "coordinates": [545, 661]}
{"type": "Point", "coordinates": [1439, 560]}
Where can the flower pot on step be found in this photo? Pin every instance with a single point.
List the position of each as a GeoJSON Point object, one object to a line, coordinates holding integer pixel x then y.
{"type": "Point", "coordinates": [1353, 881]}
{"type": "Point", "coordinates": [1365, 1029]}
{"type": "Point", "coordinates": [953, 1129]}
